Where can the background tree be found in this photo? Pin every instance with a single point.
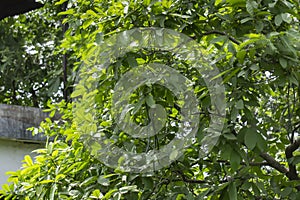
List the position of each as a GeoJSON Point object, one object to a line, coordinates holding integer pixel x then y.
{"type": "Point", "coordinates": [256, 48]}
{"type": "Point", "coordinates": [31, 68]}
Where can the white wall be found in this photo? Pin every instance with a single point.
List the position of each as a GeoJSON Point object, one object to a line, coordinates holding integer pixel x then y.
{"type": "Point", "coordinates": [11, 155]}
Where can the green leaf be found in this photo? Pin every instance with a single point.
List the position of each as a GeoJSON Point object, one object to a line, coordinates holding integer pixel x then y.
{"type": "Point", "coordinates": [217, 2]}
{"type": "Point", "coordinates": [296, 160]}
{"type": "Point", "coordinates": [236, 2]}
{"type": "Point", "coordinates": [46, 181]}
{"type": "Point", "coordinates": [137, 106]}
{"type": "Point", "coordinates": [67, 12]}
{"type": "Point", "coordinates": [229, 136]}
{"type": "Point", "coordinates": [259, 26]}
{"type": "Point", "coordinates": [235, 160]}
{"type": "Point", "coordinates": [87, 23]}
{"type": "Point", "coordinates": [60, 2]}
{"type": "Point", "coordinates": [72, 167]}
{"type": "Point", "coordinates": [246, 20]}
{"type": "Point", "coordinates": [88, 181]}
{"type": "Point", "coordinates": [226, 152]}
{"type": "Point", "coordinates": [249, 7]}
{"type": "Point", "coordinates": [250, 139]}
{"type": "Point", "coordinates": [286, 17]}
{"type": "Point", "coordinates": [52, 192]}
{"type": "Point", "coordinates": [231, 48]}
{"type": "Point", "coordinates": [261, 143]}
{"type": "Point", "coordinates": [180, 15]}
{"type": "Point", "coordinates": [283, 62]}
{"type": "Point", "coordinates": [254, 67]}
{"type": "Point", "coordinates": [232, 74]}
{"type": "Point", "coordinates": [92, 13]}
{"type": "Point", "coordinates": [232, 191]}
{"type": "Point", "coordinates": [240, 104]}
{"type": "Point", "coordinates": [148, 182]}
{"type": "Point", "coordinates": [222, 73]}
{"type": "Point", "coordinates": [241, 56]}
{"type": "Point", "coordinates": [126, 189]}
{"type": "Point", "coordinates": [150, 101]}
{"type": "Point", "coordinates": [294, 80]}
{"type": "Point", "coordinates": [109, 194]}
{"type": "Point", "coordinates": [173, 155]}
{"type": "Point", "coordinates": [219, 39]}
{"type": "Point", "coordinates": [102, 180]}
{"type": "Point", "coordinates": [28, 160]}
{"type": "Point", "coordinates": [286, 192]}
{"type": "Point", "coordinates": [278, 20]}
{"type": "Point", "coordinates": [5, 187]}
{"type": "Point", "coordinates": [222, 186]}
{"type": "Point", "coordinates": [255, 72]}
{"type": "Point", "coordinates": [271, 5]}
{"type": "Point", "coordinates": [131, 61]}
{"type": "Point", "coordinates": [234, 113]}
{"type": "Point", "coordinates": [97, 194]}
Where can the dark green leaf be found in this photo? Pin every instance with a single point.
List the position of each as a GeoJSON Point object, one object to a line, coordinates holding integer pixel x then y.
{"type": "Point", "coordinates": [250, 138]}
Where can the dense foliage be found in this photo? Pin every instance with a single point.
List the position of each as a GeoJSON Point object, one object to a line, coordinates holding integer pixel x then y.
{"type": "Point", "coordinates": [256, 47]}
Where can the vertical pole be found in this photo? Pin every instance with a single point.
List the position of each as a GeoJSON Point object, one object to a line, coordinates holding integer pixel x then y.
{"type": "Point", "coordinates": [65, 60]}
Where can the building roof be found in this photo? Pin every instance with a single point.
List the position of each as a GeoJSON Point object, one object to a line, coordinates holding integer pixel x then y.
{"type": "Point", "coordinates": [16, 7]}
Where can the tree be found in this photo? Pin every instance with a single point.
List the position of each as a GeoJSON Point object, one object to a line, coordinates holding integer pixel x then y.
{"type": "Point", "coordinates": [31, 62]}
{"type": "Point", "coordinates": [255, 46]}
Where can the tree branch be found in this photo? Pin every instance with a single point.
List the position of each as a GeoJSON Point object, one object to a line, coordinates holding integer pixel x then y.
{"type": "Point", "coordinates": [292, 173]}
{"type": "Point", "coordinates": [184, 179]}
{"type": "Point", "coordinates": [273, 163]}
{"type": "Point", "coordinates": [222, 33]}
{"type": "Point", "coordinates": [64, 58]}
{"type": "Point", "coordinates": [259, 164]}
{"type": "Point", "coordinates": [276, 165]}
{"type": "Point", "coordinates": [296, 127]}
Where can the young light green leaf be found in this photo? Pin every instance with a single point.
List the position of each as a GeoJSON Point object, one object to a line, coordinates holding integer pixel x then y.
{"type": "Point", "coordinates": [241, 56]}
{"type": "Point", "coordinates": [60, 2]}
{"type": "Point", "coordinates": [87, 23]}
{"type": "Point", "coordinates": [97, 194]}
{"type": "Point", "coordinates": [67, 12]}
{"type": "Point", "coordinates": [92, 13]}
{"type": "Point", "coordinates": [28, 160]}
{"type": "Point", "coordinates": [46, 181]}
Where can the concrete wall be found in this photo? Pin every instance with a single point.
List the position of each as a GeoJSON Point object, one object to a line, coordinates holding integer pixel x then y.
{"type": "Point", "coordinates": [11, 155]}
{"type": "Point", "coordinates": [15, 140]}
{"type": "Point", "coordinates": [14, 121]}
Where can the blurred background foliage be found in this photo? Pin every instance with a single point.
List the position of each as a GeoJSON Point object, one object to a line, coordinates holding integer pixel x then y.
{"type": "Point", "coordinates": [31, 67]}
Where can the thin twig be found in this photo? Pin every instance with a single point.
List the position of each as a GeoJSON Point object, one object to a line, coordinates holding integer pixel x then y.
{"type": "Point", "coordinates": [222, 33]}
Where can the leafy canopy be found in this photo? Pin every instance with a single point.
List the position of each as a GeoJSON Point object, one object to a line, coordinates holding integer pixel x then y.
{"type": "Point", "coordinates": [256, 47]}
